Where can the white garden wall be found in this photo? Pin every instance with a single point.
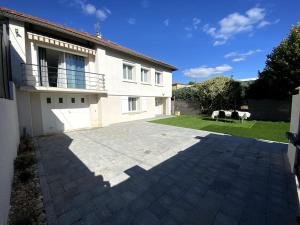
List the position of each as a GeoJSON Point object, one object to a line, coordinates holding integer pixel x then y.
{"type": "Point", "coordinates": [9, 141]}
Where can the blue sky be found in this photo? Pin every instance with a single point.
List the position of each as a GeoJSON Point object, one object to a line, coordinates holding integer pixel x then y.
{"type": "Point", "coordinates": [201, 38]}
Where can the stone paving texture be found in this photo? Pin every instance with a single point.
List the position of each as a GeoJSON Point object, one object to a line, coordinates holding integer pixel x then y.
{"type": "Point", "coordinates": [143, 173]}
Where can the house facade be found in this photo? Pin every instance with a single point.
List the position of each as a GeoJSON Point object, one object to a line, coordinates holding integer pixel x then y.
{"type": "Point", "coordinates": [67, 80]}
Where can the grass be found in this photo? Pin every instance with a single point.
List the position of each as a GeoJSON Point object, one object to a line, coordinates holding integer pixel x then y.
{"type": "Point", "coordinates": [268, 130]}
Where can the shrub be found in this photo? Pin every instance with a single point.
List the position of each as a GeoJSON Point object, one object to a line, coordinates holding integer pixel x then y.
{"type": "Point", "coordinates": [24, 161]}
{"type": "Point", "coordinates": [235, 115]}
{"type": "Point", "coordinates": [25, 176]}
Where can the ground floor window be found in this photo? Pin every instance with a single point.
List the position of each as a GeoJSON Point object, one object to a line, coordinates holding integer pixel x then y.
{"type": "Point", "coordinates": [132, 104]}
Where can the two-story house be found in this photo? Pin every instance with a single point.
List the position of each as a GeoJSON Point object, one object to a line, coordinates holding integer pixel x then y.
{"type": "Point", "coordinates": [67, 79]}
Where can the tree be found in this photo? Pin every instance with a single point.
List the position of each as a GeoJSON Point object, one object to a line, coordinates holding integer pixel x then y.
{"type": "Point", "coordinates": [213, 94]}
{"type": "Point", "coordinates": [219, 93]}
{"type": "Point", "coordinates": [281, 74]}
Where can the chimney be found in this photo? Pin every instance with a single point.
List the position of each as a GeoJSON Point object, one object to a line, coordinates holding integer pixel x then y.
{"type": "Point", "coordinates": [98, 35]}
{"type": "Point", "coordinates": [97, 27]}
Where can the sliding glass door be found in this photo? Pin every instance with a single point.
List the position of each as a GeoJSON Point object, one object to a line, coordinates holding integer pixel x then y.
{"type": "Point", "coordinates": [75, 71]}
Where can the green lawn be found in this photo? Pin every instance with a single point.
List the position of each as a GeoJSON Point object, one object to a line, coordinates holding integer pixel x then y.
{"type": "Point", "coordinates": [274, 131]}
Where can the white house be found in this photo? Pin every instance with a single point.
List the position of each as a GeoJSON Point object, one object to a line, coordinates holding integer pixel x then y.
{"type": "Point", "coordinates": [67, 79]}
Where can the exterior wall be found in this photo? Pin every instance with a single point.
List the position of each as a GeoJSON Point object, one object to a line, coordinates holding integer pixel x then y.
{"type": "Point", "coordinates": [117, 86]}
{"type": "Point", "coordinates": [268, 109]}
{"type": "Point", "coordinates": [186, 107]}
{"type": "Point", "coordinates": [9, 139]}
{"type": "Point", "coordinates": [111, 111]}
{"type": "Point", "coordinates": [18, 49]}
{"type": "Point", "coordinates": [24, 112]}
{"type": "Point", "coordinates": [294, 127]}
{"type": "Point", "coordinates": [36, 112]}
{"type": "Point", "coordinates": [103, 109]}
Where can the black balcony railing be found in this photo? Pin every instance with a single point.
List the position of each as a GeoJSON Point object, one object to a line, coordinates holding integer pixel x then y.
{"type": "Point", "coordinates": [49, 76]}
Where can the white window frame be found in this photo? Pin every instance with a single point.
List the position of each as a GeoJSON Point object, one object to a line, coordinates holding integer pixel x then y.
{"type": "Point", "coordinates": [161, 78]}
{"type": "Point", "coordinates": [130, 101]}
{"type": "Point", "coordinates": [146, 75]}
{"type": "Point", "coordinates": [125, 78]}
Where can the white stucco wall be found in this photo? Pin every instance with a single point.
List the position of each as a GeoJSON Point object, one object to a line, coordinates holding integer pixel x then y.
{"type": "Point", "coordinates": [17, 49]}
{"type": "Point", "coordinates": [104, 109]}
{"type": "Point", "coordinates": [117, 86]}
{"type": "Point", "coordinates": [24, 112]}
{"type": "Point", "coordinates": [9, 141]}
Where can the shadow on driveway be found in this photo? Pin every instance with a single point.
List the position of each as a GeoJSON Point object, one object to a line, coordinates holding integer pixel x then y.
{"type": "Point", "coordinates": [220, 180]}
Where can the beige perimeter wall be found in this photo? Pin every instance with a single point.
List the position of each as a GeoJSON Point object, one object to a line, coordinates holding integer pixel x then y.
{"type": "Point", "coordinates": [9, 141]}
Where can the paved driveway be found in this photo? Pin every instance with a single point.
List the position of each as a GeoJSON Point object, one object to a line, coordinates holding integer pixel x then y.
{"type": "Point", "coordinates": [143, 173]}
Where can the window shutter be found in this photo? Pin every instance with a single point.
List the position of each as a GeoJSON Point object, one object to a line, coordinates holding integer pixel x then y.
{"type": "Point", "coordinates": [143, 104]}
{"type": "Point", "coordinates": [124, 104]}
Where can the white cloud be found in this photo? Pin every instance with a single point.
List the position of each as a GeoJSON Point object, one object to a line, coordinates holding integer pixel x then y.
{"type": "Point", "coordinates": [196, 22]}
{"type": "Point", "coordinates": [263, 24]}
{"type": "Point", "coordinates": [194, 26]}
{"type": "Point", "coordinates": [237, 57]}
{"type": "Point", "coordinates": [166, 22]}
{"type": "Point", "coordinates": [204, 71]}
{"type": "Point", "coordinates": [131, 21]}
{"type": "Point", "coordinates": [236, 23]}
{"type": "Point", "coordinates": [91, 9]}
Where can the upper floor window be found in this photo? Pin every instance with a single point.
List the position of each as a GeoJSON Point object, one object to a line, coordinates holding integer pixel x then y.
{"type": "Point", "coordinates": [145, 76]}
{"type": "Point", "coordinates": [158, 78]}
{"type": "Point", "coordinates": [127, 72]}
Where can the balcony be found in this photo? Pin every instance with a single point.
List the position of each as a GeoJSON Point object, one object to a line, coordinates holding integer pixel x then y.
{"type": "Point", "coordinates": [49, 78]}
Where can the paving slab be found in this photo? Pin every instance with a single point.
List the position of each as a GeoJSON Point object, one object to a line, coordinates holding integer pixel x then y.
{"type": "Point", "coordinates": [145, 173]}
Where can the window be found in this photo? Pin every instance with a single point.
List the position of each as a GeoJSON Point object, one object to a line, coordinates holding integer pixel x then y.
{"type": "Point", "coordinates": [60, 100]}
{"type": "Point", "coordinates": [127, 72]}
{"type": "Point", "coordinates": [82, 100]}
{"type": "Point", "coordinates": [158, 78]}
{"type": "Point", "coordinates": [145, 76]}
{"type": "Point", "coordinates": [73, 100]}
{"type": "Point", "coordinates": [48, 100]}
{"type": "Point", "coordinates": [132, 104]}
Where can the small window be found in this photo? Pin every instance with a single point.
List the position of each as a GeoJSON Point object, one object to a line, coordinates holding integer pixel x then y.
{"type": "Point", "coordinates": [82, 100]}
{"type": "Point", "coordinates": [48, 100]}
{"type": "Point", "coordinates": [73, 100]}
{"type": "Point", "coordinates": [127, 72]}
{"type": "Point", "coordinates": [158, 78]}
{"type": "Point", "coordinates": [132, 104]}
{"type": "Point", "coordinates": [145, 76]}
{"type": "Point", "coordinates": [60, 100]}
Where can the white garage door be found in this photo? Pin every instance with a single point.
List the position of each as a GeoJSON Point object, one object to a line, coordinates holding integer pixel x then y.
{"type": "Point", "coordinates": [65, 112]}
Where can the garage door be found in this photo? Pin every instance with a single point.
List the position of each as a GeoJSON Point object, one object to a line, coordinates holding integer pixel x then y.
{"type": "Point", "coordinates": [65, 112]}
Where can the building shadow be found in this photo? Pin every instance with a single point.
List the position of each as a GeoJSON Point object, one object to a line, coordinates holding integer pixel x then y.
{"type": "Point", "coordinates": [219, 180]}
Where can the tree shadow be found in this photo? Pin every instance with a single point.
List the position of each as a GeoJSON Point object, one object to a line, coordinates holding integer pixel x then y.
{"type": "Point", "coordinates": [219, 180]}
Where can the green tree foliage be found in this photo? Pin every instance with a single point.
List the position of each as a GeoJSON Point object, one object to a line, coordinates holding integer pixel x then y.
{"type": "Point", "coordinates": [216, 93]}
{"type": "Point", "coordinates": [281, 74]}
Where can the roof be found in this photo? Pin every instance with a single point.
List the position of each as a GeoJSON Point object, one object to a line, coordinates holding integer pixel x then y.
{"type": "Point", "coordinates": [102, 41]}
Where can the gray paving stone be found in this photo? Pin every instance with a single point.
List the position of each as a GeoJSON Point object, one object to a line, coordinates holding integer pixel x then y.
{"type": "Point", "coordinates": [222, 219]}
{"type": "Point", "coordinates": [145, 218]}
{"type": "Point", "coordinates": [144, 173]}
{"type": "Point", "coordinates": [69, 217]}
